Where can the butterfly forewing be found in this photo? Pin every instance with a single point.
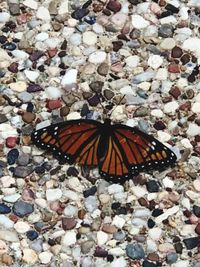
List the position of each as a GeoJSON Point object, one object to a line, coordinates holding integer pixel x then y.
{"type": "Point", "coordinates": [73, 141]}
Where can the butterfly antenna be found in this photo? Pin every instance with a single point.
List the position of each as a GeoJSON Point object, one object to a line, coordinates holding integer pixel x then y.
{"type": "Point", "coordinates": [117, 104]}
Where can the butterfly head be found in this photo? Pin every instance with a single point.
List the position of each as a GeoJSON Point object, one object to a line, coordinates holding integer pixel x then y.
{"type": "Point", "coordinates": [107, 122]}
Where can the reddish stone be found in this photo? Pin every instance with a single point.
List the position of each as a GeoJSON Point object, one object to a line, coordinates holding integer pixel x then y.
{"type": "Point", "coordinates": [197, 149]}
{"type": "Point", "coordinates": [175, 92]}
{"type": "Point", "coordinates": [177, 52]}
{"type": "Point", "coordinates": [28, 117]}
{"type": "Point", "coordinates": [11, 142]}
{"type": "Point", "coordinates": [81, 214]}
{"type": "Point", "coordinates": [197, 229]}
{"type": "Point", "coordinates": [185, 106]}
{"type": "Point", "coordinates": [68, 223]}
{"type": "Point", "coordinates": [114, 6]}
{"type": "Point", "coordinates": [109, 228]}
{"type": "Point", "coordinates": [174, 68]}
{"type": "Point", "coordinates": [54, 104]}
{"type": "Point", "coordinates": [28, 194]}
{"type": "Point", "coordinates": [13, 67]}
{"type": "Point", "coordinates": [52, 52]}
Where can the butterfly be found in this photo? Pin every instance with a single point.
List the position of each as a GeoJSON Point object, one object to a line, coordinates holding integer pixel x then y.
{"type": "Point", "coordinates": [119, 151]}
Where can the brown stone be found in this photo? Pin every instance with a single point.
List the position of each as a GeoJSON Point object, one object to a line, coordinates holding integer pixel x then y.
{"type": "Point", "coordinates": [81, 214]}
{"type": "Point", "coordinates": [68, 223]}
{"type": "Point", "coordinates": [143, 202]}
{"type": "Point", "coordinates": [175, 92]}
{"type": "Point", "coordinates": [176, 52]}
{"type": "Point", "coordinates": [153, 257]}
{"type": "Point", "coordinates": [28, 117]}
{"type": "Point", "coordinates": [11, 142]}
{"type": "Point", "coordinates": [7, 259]}
{"type": "Point", "coordinates": [197, 229]}
{"type": "Point", "coordinates": [54, 104]}
{"type": "Point", "coordinates": [64, 111]}
{"type": "Point", "coordinates": [109, 228]}
{"type": "Point", "coordinates": [174, 68]}
{"type": "Point", "coordinates": [103, 69]}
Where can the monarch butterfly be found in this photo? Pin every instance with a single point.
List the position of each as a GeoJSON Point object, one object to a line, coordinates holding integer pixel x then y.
{"type": "Point", "coordinates": [119, 151]}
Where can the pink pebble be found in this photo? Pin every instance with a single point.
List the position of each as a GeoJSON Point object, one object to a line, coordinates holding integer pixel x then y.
{"type": "Point", "coordinates": [11, 142]}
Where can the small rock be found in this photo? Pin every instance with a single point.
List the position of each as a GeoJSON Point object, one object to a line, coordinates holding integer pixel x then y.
{"type": "Point", "coordinates": [11, 142]}
{"type": "Point", "coordinates": [22, 171]}
{"type": "Point", "coordinates": [97, 57]}
{"type": "Point", "coordinates": [53, 194]}
{"type": "Point", "coordinates": [29, 256]}
{"type": "Point", "coordinates": [155, 61]}
{"type": "Point", "coordinates": [196, 210]}
{"type": "Point", "coordinates": [191, 242]}
{"type": "Point", "coordinates": [155, 233]}
{"type": "Point", "coordinates": [22, 209]}
{"type": "Point", "coordinates": [12, 156]}
{"type": "Point", "coordinates": [68, 223]}
{"type": "Point", "coordinates": [152, 186]}
{"type": "Point", "coordinates": [69, 238]}
{"type": "Point", "coordinates": [45, 257]}
{"type": "Point", "coordinates": [135, 251]}
{"type": "Point", "coordinates": [139, 22]}
{"type": "Point", "coordinates": [43, 13]}
{"type": "Point", "coordinates": [6, 222]}
{"type": "Point", "coordinates": [171, 258]}
{"type": "Point", "coordinates": [102, 238]}
{"type": "Point", "coordinates": [89, 38]}
{"type": "Point", "coordinates": [114, 5]}
{"type": "Point", "coordinates": [32, 235]}
{"type": "Point", "coordinates": [21, 227]}
{"type": "Point", "coordinates": [103, 69]}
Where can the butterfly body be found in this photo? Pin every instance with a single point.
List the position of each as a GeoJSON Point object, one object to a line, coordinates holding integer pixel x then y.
{"type": "Point", "coordinates": [119, 151]}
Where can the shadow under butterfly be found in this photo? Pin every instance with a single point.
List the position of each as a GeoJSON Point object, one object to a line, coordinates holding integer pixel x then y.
{"type": "Point", "coordinates": [119, 151]}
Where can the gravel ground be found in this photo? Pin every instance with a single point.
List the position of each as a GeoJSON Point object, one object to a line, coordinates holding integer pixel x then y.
{"type": "Point", "coordinates": [55, 57]}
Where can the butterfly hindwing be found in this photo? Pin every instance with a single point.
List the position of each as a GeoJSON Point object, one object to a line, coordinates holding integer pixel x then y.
{"type": "Point", "coordinates": [71, 141]}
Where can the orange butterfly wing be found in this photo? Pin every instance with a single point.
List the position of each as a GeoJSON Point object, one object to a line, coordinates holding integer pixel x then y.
{"type": "Point", "coordinates": [131, 151]}
{"type": "Point", "coordinates": [73, 141]}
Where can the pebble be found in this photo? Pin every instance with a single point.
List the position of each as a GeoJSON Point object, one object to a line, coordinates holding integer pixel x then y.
{"type": "Point", "coordinates": [69, 238]}
{"type": "Point", "coordinates": [6, 222]}
{"type": "Point", "coordinates": [89, 38]}
{"type": "Point", "coordinates": [4, 209]}
{"type": "Point", "coordinates": [97, 57]}
{"type": "Point", "coordinates": [135, 251]}
{"type": "Point", "coordinates": [45, 257]}
{"type": "Point", "coordinates": [53, 194]}
{"type": "Point", "coordinates": [21, 208]}
{"type": "Point", "coordinates": [171, 107]}
{"type": "Point", "coordinates": [155, 233]}
{"type": "Point", "coordinates": [43, 13]}
{"type": "Point", "coordinates": [21, 227]}
{"type": "Point", "coordinates": [31, 235]}
{"type": "Point", "coordinates": [70, 77]}
{"type": "Point", "coordinates": [155, 61]}
{"type": "Point", "coordinates": [102, 238]}
{"type": "Point", "coordinates": [139, 22]}
{"type": "Point", "coordinates": [29, 256]}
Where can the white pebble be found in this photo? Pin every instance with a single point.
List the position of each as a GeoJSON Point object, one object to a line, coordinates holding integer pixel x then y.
{"type": "Point", "coordinates": [21, 227]}
{"type": "Point", "coordinates": [20, 54]}
{"type": "Point", "coordinates": [138, 191]}
{"type": "Point", "coordinates": [132, 61]}
{"type": "Point", "coordinates": [196, 185]}
{"type": "Point", "coordinates": [118, 221]}
{"type": "Point", "coordinates": [31, 75]}
{"type": "Point", "coordinates": [97, 57]}
{"type": "Point", "coordinates": [11, 198]}
{"type": "Point", "coordinates": [127, 90]}
{"type": "Point", "coordinates": [31, 4]}
{"type": "Point", "coordinates": [89, 38]}
{"type": "Point", "coordinates": [63, 8]}
{"type": "Point", "coordinates": [193, 129]}
{"type": "Point", "coordinates": [5, 222]}
{"type": "Point", "coordinates": [168, 20]}
{"type": "Point", "coordinates": [167, 43]}
{"type": "Point", "coordinates": [182, 263]}
{"type": "Point", "coordinates": [151, 246]}
{"type": "Point", "coordinates": [75, 39]}
{"type": "Point", "coordinates": [192, 45]}
{"type": "Point", "coordinates": [171, 107]}
{"type": "Point", "coordinates": [115, 188]}
{"type": "Point", "coordinates": [45, 257]}
{"type": "Point", "coordinates": [183, 13]}
{"type": "Point", "coordinates": [53, 194]}
{"type": "Point", "coordinates": [120, 262]}
{"type": "Point", "coordinates": [43, 13]}
{"type": "Point", "coordinates": [166, 214]}
{"type": "Point", "coordinates": [42, 36]}
{"type": "Point", "coordinates": [29, 256]}
{"type": "Point", "coordinates": [102, 238]}
{"type": "Point", "coordinates": [139, 22]}
{"type": "Point", "coordinates": [119, 19]}
{"type": "Point", "coordinates": [70, 77]}
{"type": "Point", "coordinates": [196, 107]}
{"type": "Point", "coordinates": [187, 230]}
{"type": "Point", "coordinates": [186, 143]}
{"type": "Point", "coordinates": [41, 202]}
{"type": "Point", "coordinates": [53, 92]}
{"type": "Point", "coordinates": [74, 116]}
{"type": "Point", "coordinates": [19, 86]}
{"type": "Point", "coordinates": [163, 136]}
{"type": "Point", "coordinates": [69, 238]}
{"type": "Point", "coordinates": [117, 251]}
{"type": "Point", "coordinates": [155, 61]}
{"type": "Point", "coordinates": [186, 203]}
{"type": "Point", "coordinates": [155, 233]}
{"type": "Point", "coordinates": [161, 74]}
{"type": "Point", "coordinates": [4, 17]}
{"type": "Point", "coordinates": [70, 211]}
{"type": "Point", "coordinates": [168, 183]}
{"type": "Point", "coordinates": [157, 113]}
{"type": "Point", "coordinates": [97, 28]}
